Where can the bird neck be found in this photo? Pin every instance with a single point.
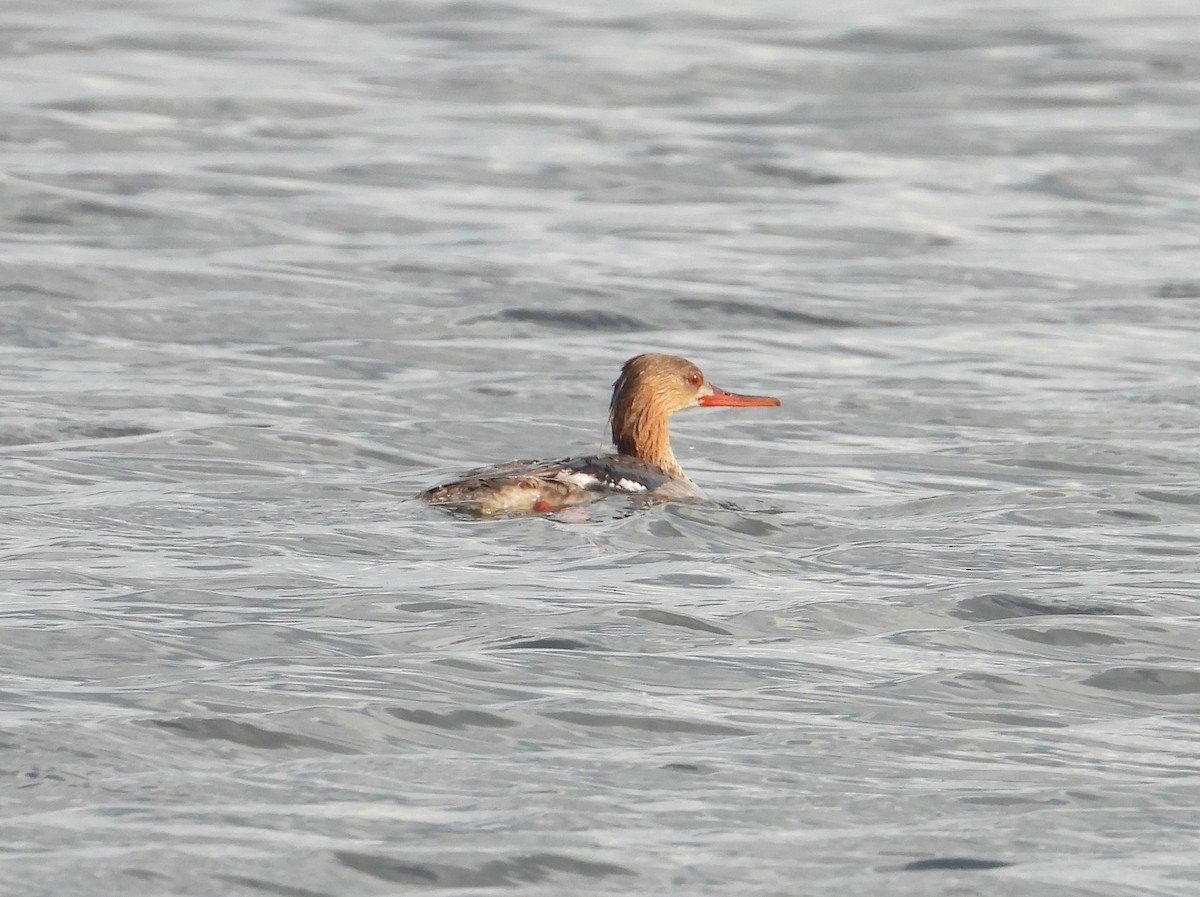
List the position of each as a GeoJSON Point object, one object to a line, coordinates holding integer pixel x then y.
{"type": "Point", "coordinates": [644, 435]}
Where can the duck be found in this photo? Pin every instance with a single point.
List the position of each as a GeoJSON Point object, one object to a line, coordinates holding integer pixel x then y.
{"type": "Point", "coordinates": [649, 389]}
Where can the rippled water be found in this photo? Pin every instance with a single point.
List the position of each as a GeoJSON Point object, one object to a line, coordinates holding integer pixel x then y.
{"type": "Point", "coordinates": [270, 269]}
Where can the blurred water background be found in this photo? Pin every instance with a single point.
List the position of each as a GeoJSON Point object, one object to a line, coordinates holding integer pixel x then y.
{"type": "Point", "coordinates": [269, 269]}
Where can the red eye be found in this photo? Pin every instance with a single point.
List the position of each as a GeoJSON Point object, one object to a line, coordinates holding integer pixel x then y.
{"type": "Point", "coordinates": [695, 378]}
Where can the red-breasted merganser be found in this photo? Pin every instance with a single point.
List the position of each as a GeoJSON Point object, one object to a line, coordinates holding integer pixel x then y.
{"type": "Point", "coordinates": [650, 389]}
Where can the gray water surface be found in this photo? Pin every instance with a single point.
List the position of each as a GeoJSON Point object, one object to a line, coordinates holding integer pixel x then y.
{"type": "Point", "coordinates": [270, 269]}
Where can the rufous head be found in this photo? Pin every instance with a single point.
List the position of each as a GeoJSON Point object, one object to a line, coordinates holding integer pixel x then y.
{"type": "Point", "coordinates": [650, 389]}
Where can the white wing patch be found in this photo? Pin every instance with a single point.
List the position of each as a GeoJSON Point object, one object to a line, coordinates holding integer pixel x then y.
{"type": "Point", "coordinates": [582, 480]}
{"type": "Point", "coordinates": [630, 485]}
{"type": "Point", "coordinates": [585, 480]}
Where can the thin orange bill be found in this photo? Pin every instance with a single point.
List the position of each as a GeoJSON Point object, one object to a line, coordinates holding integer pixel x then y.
{"type": "Point", "coordinates": [722, 398]}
